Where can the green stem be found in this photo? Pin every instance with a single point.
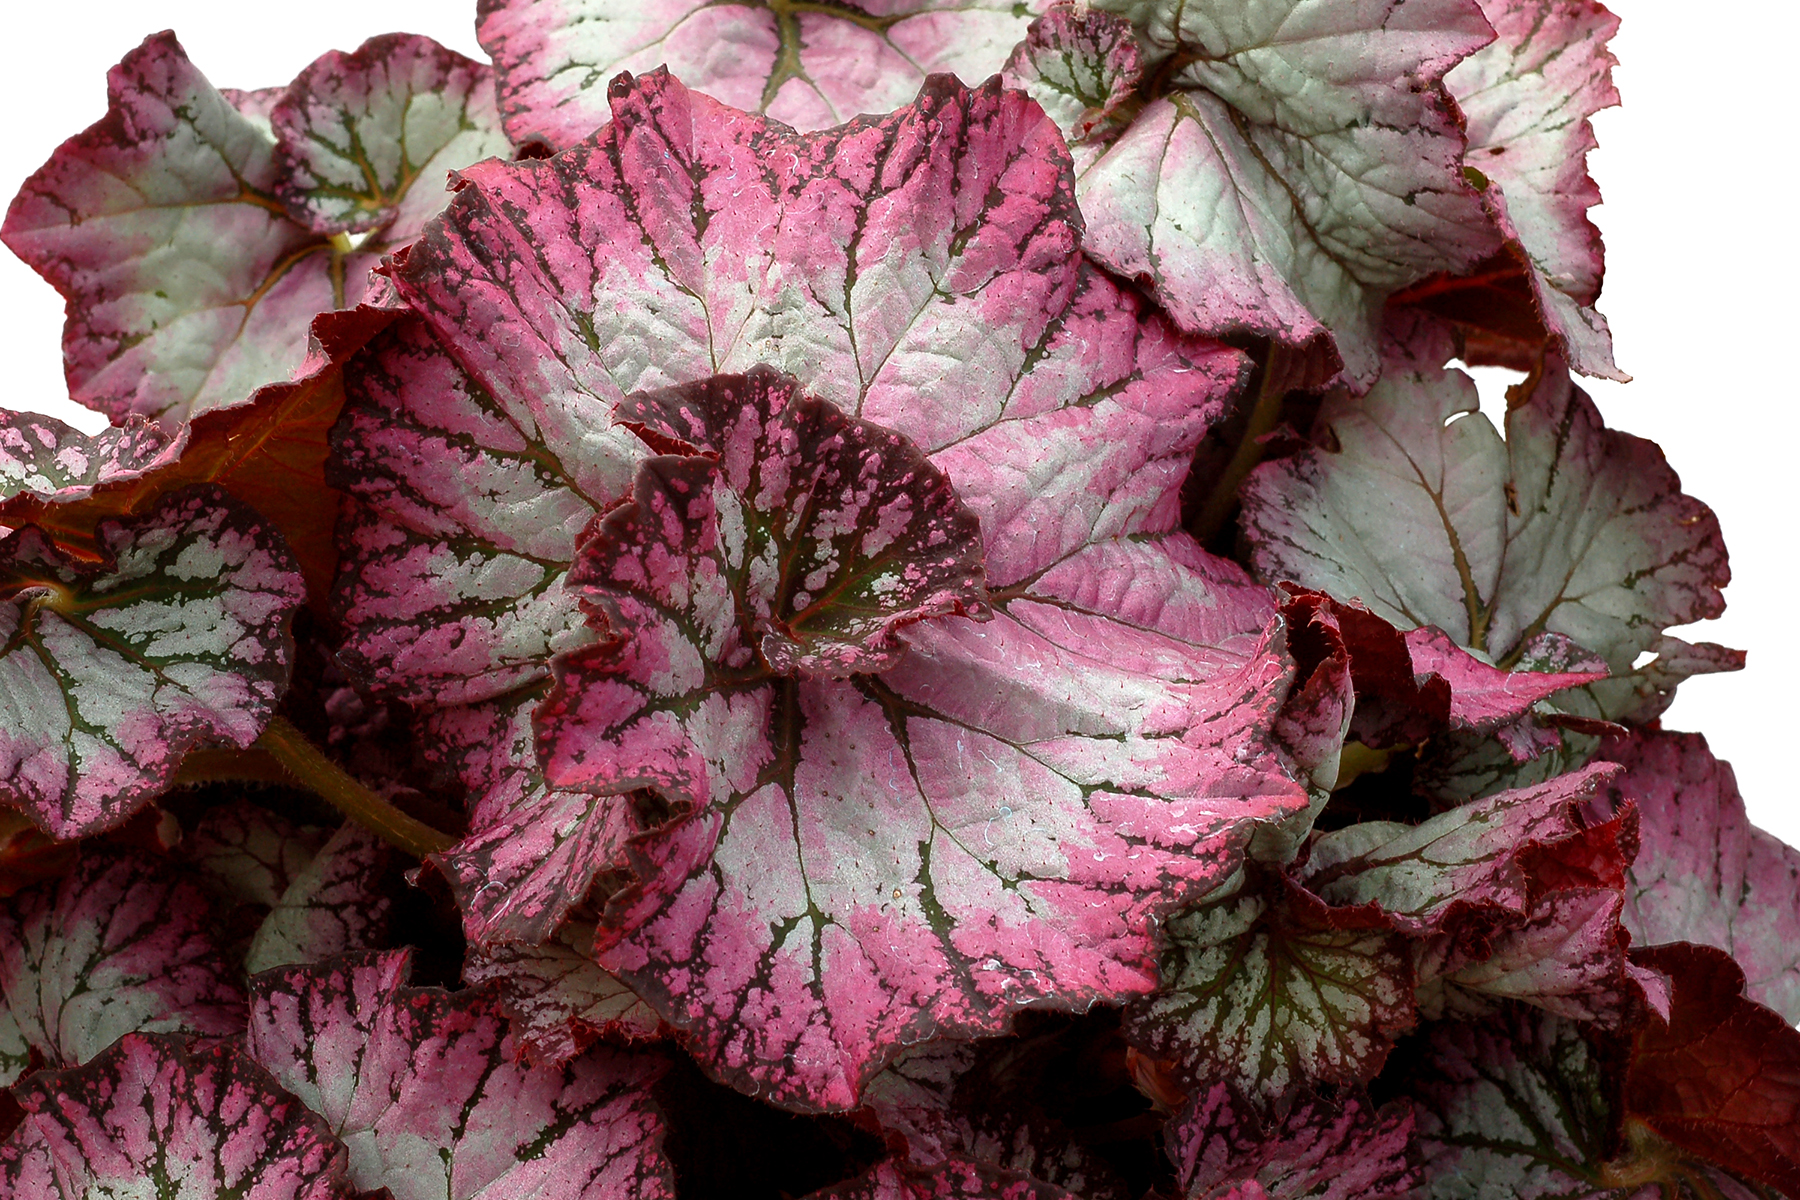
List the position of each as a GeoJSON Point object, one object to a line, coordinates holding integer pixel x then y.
{"type": "Point", "coordinates": [1224, 494]}
{"type": "Point", "coordinates": [289, 747]}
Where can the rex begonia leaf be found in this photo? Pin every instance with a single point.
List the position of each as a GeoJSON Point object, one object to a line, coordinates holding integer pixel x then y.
{"type": "Point", "coordinates": [1418, 509]}
{"type": "Point", "coordinates": [269, 453]}
{"type": "Point", "coordinates": [875, 859]}
{"type": "Point", "coordinates": [188, 286]}
{"type": "Point", "coordinates": [810, 66]}
{"type": "Point", "coordinates": [247, 854]}
{"type": "Point", "coordinates": [531, 852]}
{"type": "Point", "coordinates": [427, 1091]}
{"type": "Point", "coordinates": [356, 131]}
{"type": "Point", "coordinates": [1081, 65]}
{"type": "Point", "coordinates": [821, 534]}
{"type": "Point", "coordinates": [157, 1116]}
{"type": "Point", "coordinates": [955, 1178]}
{"type": "Point", "coordinates": [122, 944]}
{"type": "Point", "coordinates": [1269, 990]}
{"type": "Point", "coordinates": [1520, 1105]}
{"type": "Point", "coordinates": [335, 904]}
{"type": "Point", "coordinates": [942, 295]}
{"type": "Point", "coordinates": [111, 671]}
{"type": "Point", "coordinates": [1305, 161]}
{"type": "Point", "coordinates": [1703, 873]}
{"type": "Point", "coordinates": [56, 463]}
{"type": "Point", "coordinates": [560, 1000]}
{"type": "Point", "coordinates": [1475, 857]}
{"type": "Point", "coordinates": [1527, 98]}
{"type": "Point", "coordinates": [1720, 1078]}
{"type": "Point", "coordinates": [1224, 1149]}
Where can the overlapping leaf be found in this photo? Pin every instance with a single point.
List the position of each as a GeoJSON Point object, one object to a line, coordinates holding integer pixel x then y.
{"type": "Point", "coordinates": [1305, 160]}
{"type": "Point", "coordinates": [120, 944]}
{"type": "Point", "coordinates": [335, 904]}
{"type": "Point", "coordinates": [807, 65]}
{"type": "Point", "coordinates": [1224, 1149]}
{"type": "Point", "coordinates": [1268, 989]}
{"type": "Point", "coordinates": [110, 672]}
{"type": "Point", "coordinates": [426, 1090]}
{"type": "Point", "coordinates": [1703, 873]}
{"type": "Point", "coordinates": [247, 854]}
{"type": "Point", "coordinates": [954, 1179]}
{"type": "Point", "coordinates": [156, 1115]}
{"type": "Point", "coordinates": [560, 1000]}
{"type": "Point", "coordinates": [1527, 98]}
{"type": "Point", "coordinates": [43, 458]}
{"type": "Point", "coordinates": [190, 287]}
{"type": "Point", "coordinates": [1521, 1105]}
{"type": "Point", "coordinates": [1083, 67]}
{"type": "Point", "coordinates": [1419, 510]}
{"type": "Point", "coordinates": [871, 860]}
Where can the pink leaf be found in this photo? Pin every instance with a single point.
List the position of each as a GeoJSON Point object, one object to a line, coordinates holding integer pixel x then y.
{"type": "Point", "coordinates": [334, 905]}
{"type": "Point", "coordinates": [357, 131]}
{"type": "Point", "coordinates": [246, 854]}
{"type": "Point", "coordinates": [559, 999]}
{"type": "Point", "coordinates": [426, 1089]}
{"type": "Point", "coordinates": [1306, 161]}
{"type": "Point", "coordinates": [120, 945]}
{"type": "Point", "coordinates": [1704, 873]}
{"type": "Point", "coordinates": [1527, 98]}
{"type": "Point", "coordinates": [954, 1179]}
{"type": "Point", "coordinates": [177, 639]}
{"type": "Point", "coordinates": [1224, 1150]}
{"type": "Point", "coordinates": [156, 1116]}
{"type": "Point", "coordinates": [1082, 66]}
{"type": "Point", "coordinates": [42, 457]}
{"type": "Point", "coordinates": [810, 68]}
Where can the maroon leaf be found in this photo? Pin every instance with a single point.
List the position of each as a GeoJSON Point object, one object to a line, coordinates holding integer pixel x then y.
{"type": "Point", "coordinates": [1305, 161]}
{"type": "Point", "coordinates": [1527, 98]}
{"type": "Point", "coordinates": [357, 131]}
{"type": "Point", "coordinates": [1419, 510]}
{"type": "Point", "coordinates": [426, 1089]}
{"type": "Point", "coordinates": [1704, 873]}
{"type": "Point", "coordinates": [155, 1115]}
{"type": "Point", "coordinates": [1269, 990]}
{"type": "Point", "coordinates": [810, 68]}
{"type": "Point", "coordinates": [119, 945]}
{"type": "Point", "coordinates": [178, 638]}
{"type": "Point", "coordinates": [1721, 1077]}
{"type": "Point", "coordinates": [1224, 1150]}
{"type": "Point", "coordinates": [1091, 756]}
{"type": "Point", "coordinates": [560, 1000]}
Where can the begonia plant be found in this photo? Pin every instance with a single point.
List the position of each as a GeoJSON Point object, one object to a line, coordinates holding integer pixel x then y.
{"type": "Point", "coordinates": [867, 600]}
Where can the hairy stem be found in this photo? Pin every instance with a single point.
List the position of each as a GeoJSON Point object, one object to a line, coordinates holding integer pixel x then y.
{"type": "Point", "coordinates": [311, 769]}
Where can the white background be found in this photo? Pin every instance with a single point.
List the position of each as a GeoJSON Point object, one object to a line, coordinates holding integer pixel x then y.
{"type": "Point", "coordinates": [1701, 272]}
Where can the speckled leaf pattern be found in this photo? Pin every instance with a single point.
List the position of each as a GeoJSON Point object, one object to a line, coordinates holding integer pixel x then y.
{"type": "Point", "coordinates": [1081, 66]}
{"type": "Point", "coordinates": [110, 672]}
{"type": "Point", "coordinates": [531, 852]}
{"type": "Point", "coordinates": [1305, 161]}
{"type": "Point", "coordinates": [1267, 989]}
{"type": "Point", "coordinates": [359, 131]}
{"type": "Point", "coordinates": [244, 853]}
{"type": "Point", "coordinates": [43, 458]}
{"type": "Point", "coordinates": [158, 1116]}
{"type": "Point", "coordinates": [1517, 1106]}
{"type": "Point", "coordinates": [1465, 859]}
{"type": "Point", "coordinates": [816, 534]}
{"type": "Point", "coordinates": [334, 905]}
{"type": "Point", "coordinates": [1423, 513]}
{"type": "Point", "coordinates": [120, 944]}
{"type": "Point", "coordinates": [426, 1090]}
{"type": "Point", "coordinates": [1527, 98]}
{"type": "Point", "coordinates": [954, 1179]}
{"type": "Point", "coordinates": [943, 298]}
{"type": "Point", "coordinates": [809, 65]}
{"type": "Point", "coordinates": [871, 861]}
{"type": "Point", "coordinates": [559, 999]}
{"type": "Point", "coordinates": [1703, 873]}
{"type": "Point", "coordinates": [188, 286]}
{"type": "Point", "coordinates": [1224, 1149]}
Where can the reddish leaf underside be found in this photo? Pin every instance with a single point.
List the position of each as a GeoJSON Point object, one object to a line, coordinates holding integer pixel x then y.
{"type": "Point", "coordinates": [110, 672]}
{"type": "Point", "coordinates": [121, 944]}
{"type": "Point", "coordinates": [426, 1089]}
{"type": "Point", "coordinates": [156, 1115]}
{"type": "Point", "coordinates": [811, 67]}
